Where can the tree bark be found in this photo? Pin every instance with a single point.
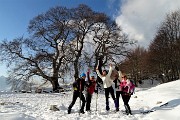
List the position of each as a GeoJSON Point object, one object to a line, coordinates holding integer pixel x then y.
{"type": "Point", "coordinates": [55, 84]}
{"type": "Point", "coordinates": [100, 63]}
{"type": "Point", "coordinates": [76, 70]}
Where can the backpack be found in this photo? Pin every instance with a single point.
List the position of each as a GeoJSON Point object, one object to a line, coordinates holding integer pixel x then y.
{"type": "Point", "coordinates": [132, 87]}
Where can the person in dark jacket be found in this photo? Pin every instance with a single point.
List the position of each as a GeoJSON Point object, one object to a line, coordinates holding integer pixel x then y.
{"type": "Point", "coordinates": [117, 82]}
{"type": "Point", "coordinates": [91, 84]}
{"type": "Point", "coordinates": [118, 91]}
{"type": "Point", "coordinates": [78, 87]}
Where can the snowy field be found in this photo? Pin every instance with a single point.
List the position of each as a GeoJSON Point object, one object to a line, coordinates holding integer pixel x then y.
{"type": "Point", "coordinates": [159, 103]}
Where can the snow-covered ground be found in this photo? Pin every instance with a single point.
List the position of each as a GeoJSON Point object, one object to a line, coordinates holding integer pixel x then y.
{"type": "Point", "coordinates": [33, 106]}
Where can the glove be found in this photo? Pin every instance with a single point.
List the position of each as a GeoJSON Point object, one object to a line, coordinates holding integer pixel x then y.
{"type": "Point", "coordinates": [116, 67]}
{"type": "Point", "coordinates": [96, 91]}
{"type": "Point", "coordinates": [75, 88]}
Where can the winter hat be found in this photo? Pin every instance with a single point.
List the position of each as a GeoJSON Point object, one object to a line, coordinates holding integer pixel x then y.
{"type": "Point", "coordinates": [83, 75]}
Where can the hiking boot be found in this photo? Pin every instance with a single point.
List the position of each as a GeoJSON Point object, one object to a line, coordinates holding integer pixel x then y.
{"type": "Point", "coordinates": [81, 111]}
{"type": "Point", "coordinates": [69, 111]}
{"type": "Point", "coordinates": [107, 108]}
{"type": "Point", "coordinates": [117, 109]}
{"type": "Point", "coordinates": [128, 113]}
{"type": "Point", "coordinates": [128, 110]}
{"type": "Point", "coordinates": [89, 111]}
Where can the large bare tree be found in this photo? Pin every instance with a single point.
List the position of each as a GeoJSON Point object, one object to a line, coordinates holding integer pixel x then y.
{"type": "Point", "coordinates": [56, 44]}
{"type": "Point", "coordinates": [45, 53]}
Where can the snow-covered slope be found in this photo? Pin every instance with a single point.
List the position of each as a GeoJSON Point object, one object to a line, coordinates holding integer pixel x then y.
{"type": "Point", "coordinates": [31, 106]}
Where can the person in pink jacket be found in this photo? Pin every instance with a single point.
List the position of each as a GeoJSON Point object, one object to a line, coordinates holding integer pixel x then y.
{"type": "Point", "coordinates": [127, 88]}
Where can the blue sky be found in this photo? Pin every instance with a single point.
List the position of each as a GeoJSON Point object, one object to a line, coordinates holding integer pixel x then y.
{"type": "Point", "coordinates": [16, 14]}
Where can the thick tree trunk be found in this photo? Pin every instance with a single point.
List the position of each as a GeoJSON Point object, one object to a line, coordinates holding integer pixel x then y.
{"type": "Point", "coordinates": [76, 74]}
{"type": "Point", "coordinates": [55, 84]}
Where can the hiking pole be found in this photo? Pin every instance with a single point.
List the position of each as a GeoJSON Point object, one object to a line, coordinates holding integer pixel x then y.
{"type": "Point", "coordinates": [80, 99]}
{"type": "Point", "coordinates": [97, 87]}
{"type": "Point", "coordinates": [80, 103]}
{"type": "Point", "coordinates": [96, 99]}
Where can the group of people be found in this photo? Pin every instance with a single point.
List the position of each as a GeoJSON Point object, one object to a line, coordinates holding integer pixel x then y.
{"type": "Point", "coordinates": [123, 86]}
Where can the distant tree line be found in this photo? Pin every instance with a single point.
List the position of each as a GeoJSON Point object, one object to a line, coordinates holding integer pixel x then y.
{"type": "Point", "coordinates": [162, 59]}
{"type": "Point", "coordinates": [63, 42]}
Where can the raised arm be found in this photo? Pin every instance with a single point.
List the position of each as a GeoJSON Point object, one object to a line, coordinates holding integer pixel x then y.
{"type": "Point", "coordinates": [88, 76]}
{"type": "Point", "coordinates": [110, 70]}
{"type": "Point", "coordinates": [98, 73]}
{"type": "Point", "coordinates": [119, 73]}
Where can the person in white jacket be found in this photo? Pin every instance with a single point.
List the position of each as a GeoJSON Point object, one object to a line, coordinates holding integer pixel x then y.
{"type": "Point", "coordinates": [107, 84]}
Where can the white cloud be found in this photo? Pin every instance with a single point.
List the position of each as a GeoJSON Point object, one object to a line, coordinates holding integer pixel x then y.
{"type": "Point", "coordinates": [140, 18]}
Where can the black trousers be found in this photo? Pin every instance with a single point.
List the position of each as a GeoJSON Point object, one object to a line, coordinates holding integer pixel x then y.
{"type": "Point", "coordinates": [88, 101]}
{"type": "Point", "coordinates": [107, 91]}
{"type": "Point", "coordinates": [118, 93]}
{"type": "Point", "coordinates": [126, 99]}
{"type": "Point", "coordinates": [77, 94]}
